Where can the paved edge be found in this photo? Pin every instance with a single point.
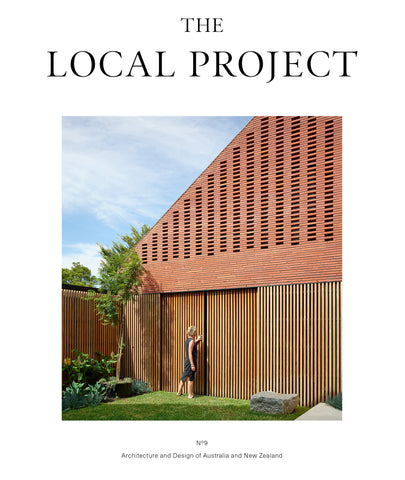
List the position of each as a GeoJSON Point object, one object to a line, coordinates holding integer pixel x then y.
{"type": "Point", "coordinates": [322, 411]}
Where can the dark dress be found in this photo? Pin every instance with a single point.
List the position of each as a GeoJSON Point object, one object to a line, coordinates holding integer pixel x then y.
{"type": "Point", "coordinates": [187, 365]}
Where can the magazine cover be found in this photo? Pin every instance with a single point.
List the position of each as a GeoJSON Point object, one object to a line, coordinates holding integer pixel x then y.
{"type": "Point", "coordinates": [208, 198]}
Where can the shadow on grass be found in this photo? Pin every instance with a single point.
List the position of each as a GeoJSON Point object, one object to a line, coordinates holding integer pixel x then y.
{"type": "Point", "coordinates": [167, 406]}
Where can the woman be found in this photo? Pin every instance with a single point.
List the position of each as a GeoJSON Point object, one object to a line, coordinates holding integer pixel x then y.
{"type": "Point", "coordinates": [190, 362]}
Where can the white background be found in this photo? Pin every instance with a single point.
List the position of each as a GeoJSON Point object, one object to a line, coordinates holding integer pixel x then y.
{"type": "Point", "coordinates": [37, 442]}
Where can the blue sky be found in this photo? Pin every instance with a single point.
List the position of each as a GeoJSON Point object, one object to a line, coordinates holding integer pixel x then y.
{"type": "Point", "coordinates": [122, 171]}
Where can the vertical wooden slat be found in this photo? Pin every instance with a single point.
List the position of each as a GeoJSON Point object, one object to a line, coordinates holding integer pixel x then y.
{"type": "Point", "coordinates": [181, 310]}
{"type": "Point", "coordinates": [259, 337]}
{"type": "Point", "coordinates": [142, 339]}
{"type": "Point", "coordinates": [231, 323]}
{"type": "Point", "coordinates": [311, 343]}
{"type": "Point", "coordinates": [80, 328]}
{"type": "Point", "coordinates": [338, 332]}
{"type": "Point", "coordinates": [302, 345]}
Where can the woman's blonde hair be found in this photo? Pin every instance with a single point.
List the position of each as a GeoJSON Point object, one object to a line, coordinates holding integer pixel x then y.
{"type": "Point", "coordinates": [191, 330]}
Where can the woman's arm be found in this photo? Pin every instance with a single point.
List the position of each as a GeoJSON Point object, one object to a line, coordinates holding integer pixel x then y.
{"type": "Point", "coordinates": [190, 354]}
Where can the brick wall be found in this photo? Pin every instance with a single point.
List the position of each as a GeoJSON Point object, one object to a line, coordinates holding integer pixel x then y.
{"type": "Point", "coordinates": [267, 211]}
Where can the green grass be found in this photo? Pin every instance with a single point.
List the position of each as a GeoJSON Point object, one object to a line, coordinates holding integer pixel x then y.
{"type": "Point", "coordinates": [167, 406]}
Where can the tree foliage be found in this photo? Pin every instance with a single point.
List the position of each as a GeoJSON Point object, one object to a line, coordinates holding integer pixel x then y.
{"type": "Point", "coordinates": [120, 278]}
{"type": "Point", "coordinates": [120, 264]}
{"type": "Point", "coordinates": [78, 274]}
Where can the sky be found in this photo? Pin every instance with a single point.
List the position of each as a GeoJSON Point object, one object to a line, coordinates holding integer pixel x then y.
{"type": "Point", "coordinates": [122, 171]}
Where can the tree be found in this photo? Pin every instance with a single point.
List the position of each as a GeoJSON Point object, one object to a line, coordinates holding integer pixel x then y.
{"type": "Point", "coordinates": [120, 278]}
{"type": "Point", "coordinates": [134, 237]}
{"type": "Point", "coordinates": [78, 274]}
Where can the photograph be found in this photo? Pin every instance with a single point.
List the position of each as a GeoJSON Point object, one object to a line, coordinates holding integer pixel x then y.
{"type": "Point", "coordinates": [232, 296]}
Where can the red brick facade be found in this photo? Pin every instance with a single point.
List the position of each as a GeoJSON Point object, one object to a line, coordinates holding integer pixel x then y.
{"type": "Point", "coordinates": [267, 211]}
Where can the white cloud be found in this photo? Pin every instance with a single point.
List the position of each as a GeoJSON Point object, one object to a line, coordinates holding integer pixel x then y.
{"type": "Point", "coordinates": [133, 168]}
{"type": "Point", "coordinates": [85, 253]}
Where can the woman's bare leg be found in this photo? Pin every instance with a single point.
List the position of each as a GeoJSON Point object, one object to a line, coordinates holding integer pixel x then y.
{"type": "Point", "coordinates": [180, 387]}
{"type": "Point", "coordinates": [190, 388]}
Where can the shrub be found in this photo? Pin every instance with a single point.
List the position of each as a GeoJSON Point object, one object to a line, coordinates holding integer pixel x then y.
{"type": "Point", "coordinates": [82, 368]}
{"type": "Point", "coordinates": [109, 388]}
{"type": "Point", "coordinates": [139, 386]}
{"type": "Point", "coordinates": [335, 401]}
{"type": "Point", "coordinates": [78, 367]}
{"type": "Point", "coordinates": [106, 365]}
{"type": "Point", "coordinates": [123, 388]}
{"type": "Point", "coordinates": [75, 396]}
{"type": "Point", "coordinates": [94, 394]}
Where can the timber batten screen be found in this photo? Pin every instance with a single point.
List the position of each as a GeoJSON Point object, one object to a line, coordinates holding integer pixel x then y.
{"type": "Point", "coordinates": [284, 338]}
{"type": "Point", "coordinates": [299, 340]}
{"type": "Point", "coordinates": [179, 311]}
{"type": "Point", "coordinates": [81, 330]}
{"type": "Point", "coordinates": [142, 338]}
{"type": "Point", "coordinates": [231, 343]}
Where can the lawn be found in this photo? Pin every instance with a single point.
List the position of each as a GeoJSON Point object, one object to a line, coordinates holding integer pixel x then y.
{"type": "Point", "coordinates": [167, 406]}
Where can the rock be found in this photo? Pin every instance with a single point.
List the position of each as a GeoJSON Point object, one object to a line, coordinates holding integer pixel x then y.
{"type": "Point", "coordinates": [272, 402]}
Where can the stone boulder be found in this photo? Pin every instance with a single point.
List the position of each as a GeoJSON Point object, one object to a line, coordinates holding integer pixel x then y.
{"type": "Point", "coordinates": [272, 402]}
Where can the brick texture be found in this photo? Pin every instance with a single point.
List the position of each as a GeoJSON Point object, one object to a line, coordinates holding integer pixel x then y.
{"type": "Point", "coordinates": [267, 211]}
